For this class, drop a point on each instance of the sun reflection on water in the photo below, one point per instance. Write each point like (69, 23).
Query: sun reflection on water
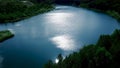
(64, 42)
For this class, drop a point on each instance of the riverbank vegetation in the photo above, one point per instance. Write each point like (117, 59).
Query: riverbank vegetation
(104, 54)
(6, 34)
(14, 10)
(110, 7)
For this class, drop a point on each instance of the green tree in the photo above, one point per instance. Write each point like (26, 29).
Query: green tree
(60, 58)
(49, 64)
(105, 41)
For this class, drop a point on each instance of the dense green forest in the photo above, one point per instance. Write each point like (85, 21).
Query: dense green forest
(14, 10)
(104, 54)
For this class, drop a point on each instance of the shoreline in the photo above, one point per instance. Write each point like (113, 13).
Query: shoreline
(40, 11)
(5, 34)
(22, 11)
(111, 13)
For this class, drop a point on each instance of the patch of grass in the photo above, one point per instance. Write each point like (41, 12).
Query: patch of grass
(4, 35)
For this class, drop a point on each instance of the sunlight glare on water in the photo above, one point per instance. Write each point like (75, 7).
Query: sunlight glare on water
(64, 42)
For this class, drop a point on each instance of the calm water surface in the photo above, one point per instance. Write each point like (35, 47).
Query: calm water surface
(43, 37)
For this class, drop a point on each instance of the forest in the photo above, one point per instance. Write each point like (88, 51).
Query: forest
(14, 10)
(104, 54)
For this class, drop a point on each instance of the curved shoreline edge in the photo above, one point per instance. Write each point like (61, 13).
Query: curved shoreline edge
(21, 10)
(5, 34)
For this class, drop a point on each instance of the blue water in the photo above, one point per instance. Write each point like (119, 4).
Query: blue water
(62, 30)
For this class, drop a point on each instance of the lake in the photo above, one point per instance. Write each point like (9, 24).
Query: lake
(42, 37)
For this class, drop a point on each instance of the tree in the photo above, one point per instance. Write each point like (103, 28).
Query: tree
(49, 64)
(105, 41)
(60, 58)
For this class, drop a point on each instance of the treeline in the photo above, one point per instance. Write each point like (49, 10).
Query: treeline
(104, 54)
(43, 1)
(14, 10)
(68, 2)
(111, 7)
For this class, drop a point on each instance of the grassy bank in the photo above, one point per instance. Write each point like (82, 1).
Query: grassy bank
(4, 35)
(15, 10)
(105, 53)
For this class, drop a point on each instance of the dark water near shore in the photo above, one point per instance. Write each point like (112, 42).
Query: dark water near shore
(43, 37)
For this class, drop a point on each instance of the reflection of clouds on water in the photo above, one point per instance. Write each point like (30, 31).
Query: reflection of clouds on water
(64, 42)
(60, 19)
(58, 23)
(1, 60)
